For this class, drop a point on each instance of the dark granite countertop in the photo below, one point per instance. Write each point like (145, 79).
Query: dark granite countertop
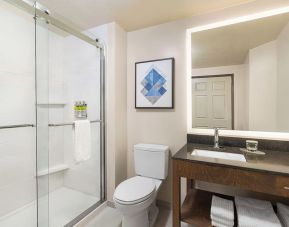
(274, 162)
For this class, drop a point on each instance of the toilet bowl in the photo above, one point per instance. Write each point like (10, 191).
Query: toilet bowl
(135, 198)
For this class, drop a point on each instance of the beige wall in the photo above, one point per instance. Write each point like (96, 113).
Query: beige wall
(120, 111)
(114, 38)
(247, 94)
(116, 107)
(263, 88)
(283, 80)
(169, 40)
(157, 126)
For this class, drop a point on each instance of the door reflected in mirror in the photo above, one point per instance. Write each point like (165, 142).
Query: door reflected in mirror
(240, 76)
(212, 101)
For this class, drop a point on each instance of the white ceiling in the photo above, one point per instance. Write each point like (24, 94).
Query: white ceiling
(133, 14)
(230, 45)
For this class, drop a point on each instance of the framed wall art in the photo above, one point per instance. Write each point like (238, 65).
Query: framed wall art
(154, 84)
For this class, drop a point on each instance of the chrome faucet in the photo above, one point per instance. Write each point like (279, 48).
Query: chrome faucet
(216, 138)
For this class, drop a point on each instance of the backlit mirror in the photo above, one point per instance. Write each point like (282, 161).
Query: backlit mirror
(240, 76)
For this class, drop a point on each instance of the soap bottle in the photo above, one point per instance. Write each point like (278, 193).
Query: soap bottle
(75, 109)
(80, 110)
(85, 109)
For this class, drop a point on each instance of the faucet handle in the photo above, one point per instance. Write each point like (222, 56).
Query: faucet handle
(216, 138)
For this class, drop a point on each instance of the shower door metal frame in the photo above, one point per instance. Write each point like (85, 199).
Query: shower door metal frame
(36, 13)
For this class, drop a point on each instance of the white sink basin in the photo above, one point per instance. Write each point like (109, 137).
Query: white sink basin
(218, 154)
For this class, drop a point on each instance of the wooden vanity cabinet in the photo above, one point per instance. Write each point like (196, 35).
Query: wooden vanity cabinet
(196, 207)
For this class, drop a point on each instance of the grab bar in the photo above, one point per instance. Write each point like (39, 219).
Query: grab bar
(72, 123)
(50, 125)
(16, 126)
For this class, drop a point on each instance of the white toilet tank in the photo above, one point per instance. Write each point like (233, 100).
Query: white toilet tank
(151, 160)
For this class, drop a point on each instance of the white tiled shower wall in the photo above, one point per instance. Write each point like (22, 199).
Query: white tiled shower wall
(17, 146)
(73, 75)
(81, 76)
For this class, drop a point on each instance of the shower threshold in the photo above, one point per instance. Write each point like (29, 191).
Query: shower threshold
(64, 205)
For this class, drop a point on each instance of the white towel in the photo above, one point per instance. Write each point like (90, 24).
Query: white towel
(82, 138)
(283, 214)
(222, 221)
(252, 217)
(254, 203)
(223, 209)
(217, 224)
(251, 213)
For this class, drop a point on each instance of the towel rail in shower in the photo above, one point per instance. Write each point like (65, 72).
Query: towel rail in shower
(31, 125)
(72, 123)
(17, 126)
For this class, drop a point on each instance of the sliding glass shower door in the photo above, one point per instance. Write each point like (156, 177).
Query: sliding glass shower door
(69, 98)
(17, 118)
(56, 103)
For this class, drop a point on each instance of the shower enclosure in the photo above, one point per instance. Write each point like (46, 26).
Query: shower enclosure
(45, 68)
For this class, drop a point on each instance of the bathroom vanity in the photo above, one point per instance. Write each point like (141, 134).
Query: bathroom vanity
(238, 83)
(269, 175)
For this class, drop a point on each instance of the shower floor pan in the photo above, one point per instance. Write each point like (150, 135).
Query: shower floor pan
(64, 205)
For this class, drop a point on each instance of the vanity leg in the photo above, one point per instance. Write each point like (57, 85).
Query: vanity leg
(190, 184)
(176, 196)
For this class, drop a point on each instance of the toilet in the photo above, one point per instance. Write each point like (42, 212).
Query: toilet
(135, 198)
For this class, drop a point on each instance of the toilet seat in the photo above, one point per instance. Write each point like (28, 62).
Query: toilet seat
(134, 190)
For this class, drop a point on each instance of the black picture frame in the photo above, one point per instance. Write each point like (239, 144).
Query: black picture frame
(172, 84)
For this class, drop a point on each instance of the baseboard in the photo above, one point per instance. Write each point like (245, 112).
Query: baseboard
(110, 204)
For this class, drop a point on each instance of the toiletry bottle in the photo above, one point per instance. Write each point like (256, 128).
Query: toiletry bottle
(76, 109)
(79, 109)
(82, 109)
(85, 109)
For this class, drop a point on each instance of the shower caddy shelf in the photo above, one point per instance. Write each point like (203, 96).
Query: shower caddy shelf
(53, 169)
(52, 104)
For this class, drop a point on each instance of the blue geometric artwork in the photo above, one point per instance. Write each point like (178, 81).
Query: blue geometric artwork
(154, 85)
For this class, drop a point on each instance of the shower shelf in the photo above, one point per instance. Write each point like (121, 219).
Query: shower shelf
(52, 104)
(53, 169)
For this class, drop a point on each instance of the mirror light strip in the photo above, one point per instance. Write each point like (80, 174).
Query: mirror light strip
(241, 19)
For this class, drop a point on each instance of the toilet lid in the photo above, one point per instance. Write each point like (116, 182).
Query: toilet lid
(135, 189)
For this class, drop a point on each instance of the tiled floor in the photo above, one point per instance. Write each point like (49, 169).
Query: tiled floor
(65, 205)
(110, 217)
